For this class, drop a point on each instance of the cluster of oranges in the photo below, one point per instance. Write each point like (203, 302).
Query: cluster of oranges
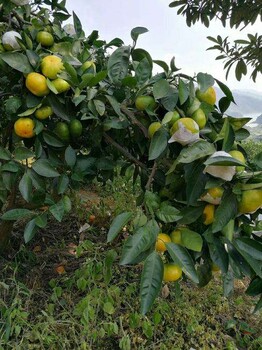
(40, 83)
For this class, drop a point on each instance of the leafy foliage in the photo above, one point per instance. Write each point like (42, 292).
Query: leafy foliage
(244, 53)
(114, 97)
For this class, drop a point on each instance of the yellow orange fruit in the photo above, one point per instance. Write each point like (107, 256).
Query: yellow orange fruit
(43, 112)
(162, 238)
(251, 201)
(152, 129)
(208, 96)
(45, 38)
(36, 84)
(144, 102)
(172, 272)
(208, 214)
(200, 118)
(51, 65)
(61, 85)
(24, 127)
(239, 156)
(176, 236)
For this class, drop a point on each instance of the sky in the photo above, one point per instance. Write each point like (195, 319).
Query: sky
(168, 34)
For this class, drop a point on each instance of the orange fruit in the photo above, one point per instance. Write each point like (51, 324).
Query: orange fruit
(51, 65)
(172, 272)
(153, 127)
(176, 236)
(251, 201)
(24, 127)
(200, 118)
(45, 38)
(61, 85)
(43, 112)
(162, 238)
(75, 128)
(208, 96)
(144, 102)
(62, 131)
(239, 156)
(208, 214)
(36, 83)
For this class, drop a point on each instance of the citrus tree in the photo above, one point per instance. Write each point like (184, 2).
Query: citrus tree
(71, 112)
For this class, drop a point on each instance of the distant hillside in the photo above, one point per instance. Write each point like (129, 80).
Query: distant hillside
(248, 103)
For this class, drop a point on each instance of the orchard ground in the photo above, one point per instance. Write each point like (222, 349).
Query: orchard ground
(65, 290)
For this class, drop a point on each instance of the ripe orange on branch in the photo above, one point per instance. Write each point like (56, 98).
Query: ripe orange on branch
(36, 83)
(24, 127)
(172, 273)
(162, 238)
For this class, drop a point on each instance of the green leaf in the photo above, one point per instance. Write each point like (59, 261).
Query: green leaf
(111, 256)
(162, 64)
(229, 136)
(226, 211)
(195, 181)
(22, 153)
(135, 32)
(62, 184)
(115, 105)
(191, 240)
(58, 108)
(161, 89)
(183, 91)
(169, 102)
(257, 160)
(118, 64)
(255, 287)
(15, 214)
(44, 168)
(51, 139)
(18, 61)
(25, 187)
(118, 223)
(241, 69)
(77, 25)
(167, 213)
(152, 201)
(143, 71)
(222, 160)
(70, 156)
(30, 231)
(100, 107)
(205, 81)
(250, 247)
(41, 220)
(158, 144)
(218, 254)
(198, 149)
(5, 154)
(190, 214)
(57, 210)
(151, 281)
(140, 242)
(224, 103)
(228, 283)
(226, 90)
(180, 255)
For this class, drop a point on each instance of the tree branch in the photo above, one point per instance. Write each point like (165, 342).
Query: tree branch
(123, 151)
(134, 120)
(151, 176)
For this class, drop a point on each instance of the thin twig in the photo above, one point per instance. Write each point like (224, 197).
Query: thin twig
(151, 176)
(134, 120)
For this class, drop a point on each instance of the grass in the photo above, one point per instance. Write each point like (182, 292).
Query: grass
(65, 290)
